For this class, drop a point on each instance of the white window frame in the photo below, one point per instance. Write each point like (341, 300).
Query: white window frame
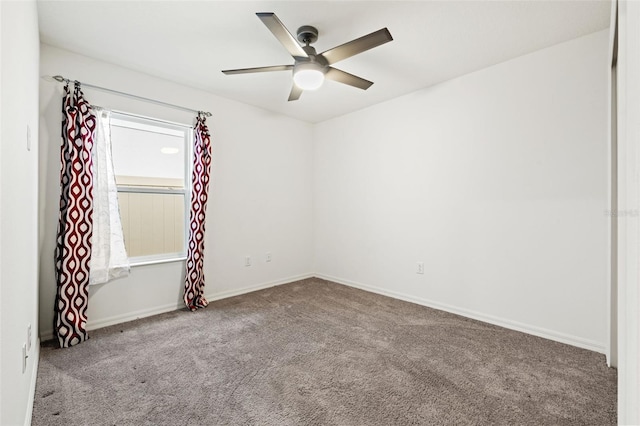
(140, 122)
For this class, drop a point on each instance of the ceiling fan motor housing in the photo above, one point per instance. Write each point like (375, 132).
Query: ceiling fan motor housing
(307, 34)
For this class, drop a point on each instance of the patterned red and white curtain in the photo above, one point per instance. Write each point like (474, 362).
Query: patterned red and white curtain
(73, 245)
(194, 281)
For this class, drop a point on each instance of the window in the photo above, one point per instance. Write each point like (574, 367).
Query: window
(150, 159)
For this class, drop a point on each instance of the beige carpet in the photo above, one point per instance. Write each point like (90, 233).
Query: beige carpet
(318, 353)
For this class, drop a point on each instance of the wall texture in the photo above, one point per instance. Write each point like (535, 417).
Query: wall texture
(496, 180)
(260, 198)
(18, 208)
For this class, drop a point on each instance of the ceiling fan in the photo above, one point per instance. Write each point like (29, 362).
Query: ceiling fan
(311, 68)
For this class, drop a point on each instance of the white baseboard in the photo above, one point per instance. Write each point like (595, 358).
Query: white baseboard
(236, 292)
(32, 386)
(502, 322)
(130, 316)
(117, 319)
(155, 310)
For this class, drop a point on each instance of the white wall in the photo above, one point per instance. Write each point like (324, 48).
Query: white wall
(496, 180)
(628, 114)
(612, 172)
(260, 198)
(18, 208)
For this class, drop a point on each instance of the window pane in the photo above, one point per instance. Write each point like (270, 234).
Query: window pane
(147, 155)
(152, 223)
(149, 158)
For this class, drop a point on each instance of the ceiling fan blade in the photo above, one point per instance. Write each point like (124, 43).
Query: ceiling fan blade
(259, 69)
(295, 93)
(282, 34)
(356, 46)
(346, 78)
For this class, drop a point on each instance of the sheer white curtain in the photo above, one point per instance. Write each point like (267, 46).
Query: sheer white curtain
(109, 259)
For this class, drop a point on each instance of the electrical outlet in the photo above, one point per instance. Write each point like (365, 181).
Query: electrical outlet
(24, 357)
(29, 338)
(267, 257)
(420, 268)
(247, 261)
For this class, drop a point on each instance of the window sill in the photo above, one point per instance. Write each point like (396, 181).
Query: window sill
(145, 261)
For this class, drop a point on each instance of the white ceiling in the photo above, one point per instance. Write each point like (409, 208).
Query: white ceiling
(190, 42)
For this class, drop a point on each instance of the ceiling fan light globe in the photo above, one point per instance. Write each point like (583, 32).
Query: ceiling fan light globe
(308, 79)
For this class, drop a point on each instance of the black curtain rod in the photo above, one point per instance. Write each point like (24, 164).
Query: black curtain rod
(61, 79)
